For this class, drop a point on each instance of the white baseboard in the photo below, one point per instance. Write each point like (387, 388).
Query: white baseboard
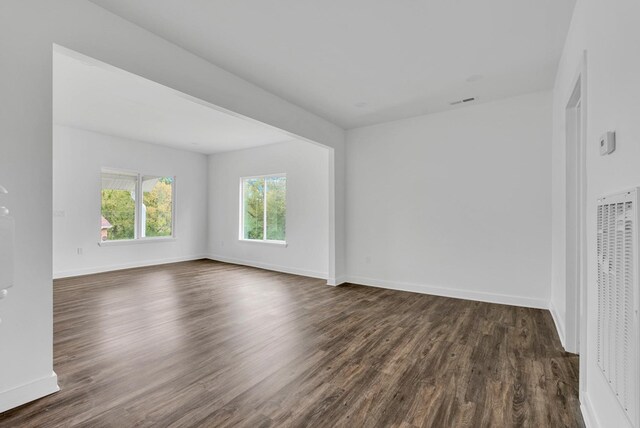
(28, 392)
(99, 269)
(505, 299)
(559, 322)
(268, 266)
(590, 420)
(335, 281)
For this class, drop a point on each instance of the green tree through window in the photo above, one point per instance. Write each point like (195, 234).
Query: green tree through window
(121, 206)
(264, 208)
(276, 208)
(158, 203)
(254, 208)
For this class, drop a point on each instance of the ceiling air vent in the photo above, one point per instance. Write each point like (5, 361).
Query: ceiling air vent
(466, 100)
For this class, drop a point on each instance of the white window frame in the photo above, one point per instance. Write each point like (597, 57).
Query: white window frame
(241, 237)
(138, 209)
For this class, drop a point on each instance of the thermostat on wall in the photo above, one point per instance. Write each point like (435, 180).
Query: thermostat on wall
(607, 143)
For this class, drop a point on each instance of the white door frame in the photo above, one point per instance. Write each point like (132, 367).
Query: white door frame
(576, 232)
(574, 217)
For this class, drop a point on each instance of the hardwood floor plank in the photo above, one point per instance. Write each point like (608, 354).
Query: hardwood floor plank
(209, 344)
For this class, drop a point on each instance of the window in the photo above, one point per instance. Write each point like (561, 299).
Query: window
(125, 216)
(264, 208)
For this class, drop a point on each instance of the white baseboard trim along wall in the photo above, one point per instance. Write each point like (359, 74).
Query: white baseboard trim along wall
(558, 321)
(28, 392)
(267, 266)
(100, 269)
(503, 299)
(337, 280)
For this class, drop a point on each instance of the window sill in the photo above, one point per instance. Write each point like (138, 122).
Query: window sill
(256, 241)
(135, 241)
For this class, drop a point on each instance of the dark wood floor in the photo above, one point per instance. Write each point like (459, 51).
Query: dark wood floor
(211, 344)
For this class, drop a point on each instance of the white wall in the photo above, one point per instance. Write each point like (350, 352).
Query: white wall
(78, 157)
(307, 229)
(28, 30)
(455, 203)
(609, 32)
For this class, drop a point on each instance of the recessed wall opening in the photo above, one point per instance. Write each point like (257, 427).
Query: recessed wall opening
(144, 174)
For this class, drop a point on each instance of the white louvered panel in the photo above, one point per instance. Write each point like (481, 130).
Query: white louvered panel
(629, 357)
(600, 250)
(618, 298)
(618, 303)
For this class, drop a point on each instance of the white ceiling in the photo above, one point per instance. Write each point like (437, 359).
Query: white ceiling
(359, 62)
(90, 95)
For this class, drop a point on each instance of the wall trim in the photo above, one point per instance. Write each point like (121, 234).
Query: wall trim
(335, 281)
(588, 416)
(558, 321)
(28, 392)
(504, 299)
(268, 266)
(100, 269)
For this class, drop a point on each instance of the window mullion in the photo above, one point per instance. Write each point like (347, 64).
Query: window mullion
(242, 234)
(138, 207)
(264, 221)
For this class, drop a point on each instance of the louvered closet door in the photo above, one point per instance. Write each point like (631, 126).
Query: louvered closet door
(617, 331)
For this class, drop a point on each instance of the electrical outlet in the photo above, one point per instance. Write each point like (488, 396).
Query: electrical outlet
(79, 250)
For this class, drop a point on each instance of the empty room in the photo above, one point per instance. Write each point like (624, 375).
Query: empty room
(319, 214)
